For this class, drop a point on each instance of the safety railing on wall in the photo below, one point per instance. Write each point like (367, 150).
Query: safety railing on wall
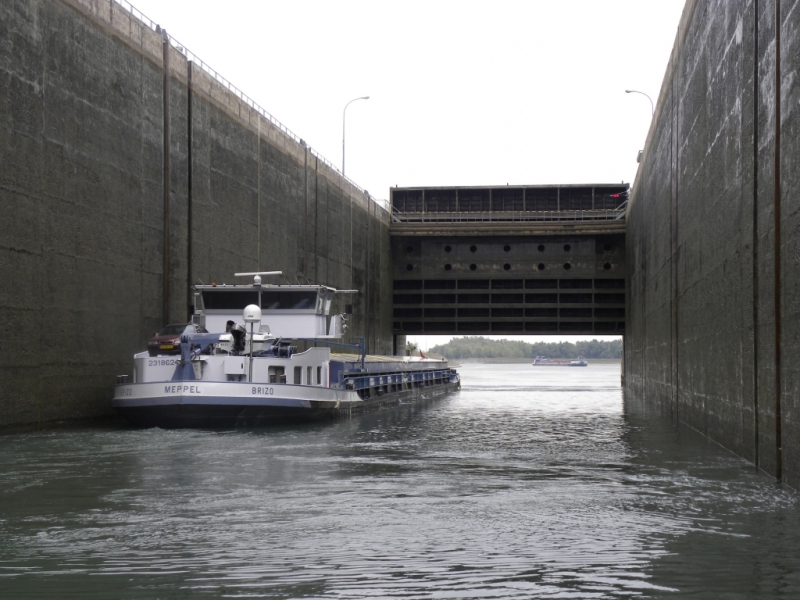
(197, 61)
(610, 214)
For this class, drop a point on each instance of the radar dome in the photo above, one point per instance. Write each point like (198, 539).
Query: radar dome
(252, 314)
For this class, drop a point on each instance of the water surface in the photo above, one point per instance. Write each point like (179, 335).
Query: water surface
(529, 483)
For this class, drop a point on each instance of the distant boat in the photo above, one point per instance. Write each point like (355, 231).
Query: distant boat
(543, 361)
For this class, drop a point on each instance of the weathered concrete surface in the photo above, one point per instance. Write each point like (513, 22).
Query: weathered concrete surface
(713, 231)
(81, 198)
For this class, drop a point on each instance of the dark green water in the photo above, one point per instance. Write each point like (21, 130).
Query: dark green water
(529, 483)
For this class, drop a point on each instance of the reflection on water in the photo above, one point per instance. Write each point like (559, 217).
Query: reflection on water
(528, 483)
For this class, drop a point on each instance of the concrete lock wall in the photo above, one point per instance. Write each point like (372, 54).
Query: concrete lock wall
(82, 237)
(713, 334)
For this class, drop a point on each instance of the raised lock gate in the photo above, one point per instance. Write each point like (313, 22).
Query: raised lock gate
(509, 259)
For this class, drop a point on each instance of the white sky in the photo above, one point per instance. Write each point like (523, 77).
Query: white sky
(461, 92)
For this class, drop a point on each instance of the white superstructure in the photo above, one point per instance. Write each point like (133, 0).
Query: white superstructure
(247, 369)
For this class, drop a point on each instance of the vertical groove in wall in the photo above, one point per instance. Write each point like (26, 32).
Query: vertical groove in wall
(40, 381)
(368, 255)
(258, 193)
(352, 283)
(189, 197)
(755, 233)
(165, 314)
(316, 219)
(673, 340)
(777, 216)
(305, 223)
(643, 287)
(675, 182)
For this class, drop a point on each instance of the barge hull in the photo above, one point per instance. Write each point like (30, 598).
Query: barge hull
(177, 412)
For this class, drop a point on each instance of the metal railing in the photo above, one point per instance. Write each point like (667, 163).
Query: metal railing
(196, 60)
(509, 216)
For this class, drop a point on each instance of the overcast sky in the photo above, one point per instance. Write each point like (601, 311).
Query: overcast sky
(461, 92)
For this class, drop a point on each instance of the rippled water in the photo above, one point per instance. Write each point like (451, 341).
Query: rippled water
(530, 482)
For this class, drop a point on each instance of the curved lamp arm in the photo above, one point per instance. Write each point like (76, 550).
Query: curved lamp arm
(344, 112)
(652, 109)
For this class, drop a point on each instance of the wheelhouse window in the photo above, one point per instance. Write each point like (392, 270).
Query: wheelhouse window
(270, 299)
(294, 300)
(229, 300)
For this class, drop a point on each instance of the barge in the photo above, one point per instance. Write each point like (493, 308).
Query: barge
(541, 361)
(247, 370)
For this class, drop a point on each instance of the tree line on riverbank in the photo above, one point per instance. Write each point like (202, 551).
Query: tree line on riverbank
(481, 347)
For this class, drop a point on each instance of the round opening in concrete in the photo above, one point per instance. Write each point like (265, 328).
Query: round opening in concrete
(540, 266)
(448, 267)
(506, 248)
(567, 266)
(473, 248)
(473, 266)
(506, 267)
(409, 267)
(541, 248)
(409, 249)
(608, 248)
(567, 247)
(447, 248)
(607, 266)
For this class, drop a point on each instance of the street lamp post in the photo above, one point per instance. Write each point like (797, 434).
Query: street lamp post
(344, 112)
(652, 110)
